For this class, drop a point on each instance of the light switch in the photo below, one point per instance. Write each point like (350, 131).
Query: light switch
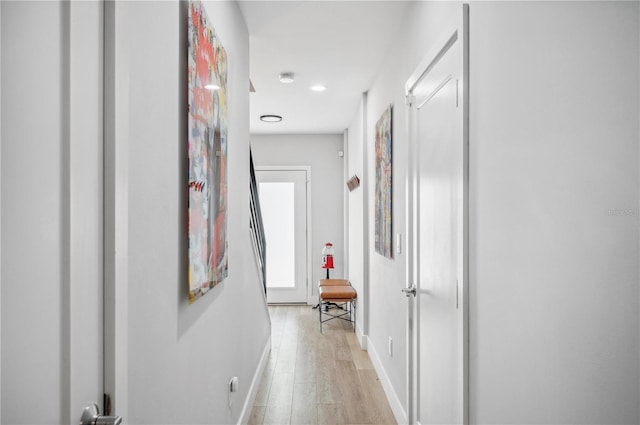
(398, 243)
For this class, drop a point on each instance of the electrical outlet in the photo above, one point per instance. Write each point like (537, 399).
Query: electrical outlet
(390, 347)
(233, 388)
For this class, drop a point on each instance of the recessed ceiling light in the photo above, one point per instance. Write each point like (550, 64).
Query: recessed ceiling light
(286, 77)
(318, 87)
(270, 118)
(212, 87)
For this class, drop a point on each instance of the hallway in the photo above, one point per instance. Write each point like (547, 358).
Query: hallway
(314, 378)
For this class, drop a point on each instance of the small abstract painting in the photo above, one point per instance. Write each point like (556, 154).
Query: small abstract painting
(207, 154)
(383, 184)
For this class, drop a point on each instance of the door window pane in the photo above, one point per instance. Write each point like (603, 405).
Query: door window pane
(276, 203)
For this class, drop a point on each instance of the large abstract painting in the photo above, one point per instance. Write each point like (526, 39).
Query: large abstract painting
(207, 151)
(383, 184)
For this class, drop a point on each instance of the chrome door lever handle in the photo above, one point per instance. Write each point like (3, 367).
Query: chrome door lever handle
(412, 290)
(91, 416)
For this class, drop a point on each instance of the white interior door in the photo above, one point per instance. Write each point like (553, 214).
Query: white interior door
(52, 210)
(438, 114)
(283, 203)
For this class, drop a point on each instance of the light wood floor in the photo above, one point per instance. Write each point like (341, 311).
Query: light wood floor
(314, 378)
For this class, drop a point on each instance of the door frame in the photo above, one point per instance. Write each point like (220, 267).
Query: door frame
(457, 32)
(307, 169)
(116, 206)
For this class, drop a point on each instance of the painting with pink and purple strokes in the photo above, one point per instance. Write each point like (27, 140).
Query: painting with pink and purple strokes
(207, 155)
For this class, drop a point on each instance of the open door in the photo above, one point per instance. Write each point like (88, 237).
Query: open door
(438, 111)
(52, 209)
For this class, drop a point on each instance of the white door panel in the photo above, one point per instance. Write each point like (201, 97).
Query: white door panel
(438, 239)
(52, 210)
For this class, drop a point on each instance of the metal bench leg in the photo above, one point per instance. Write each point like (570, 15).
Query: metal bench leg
(355, 316)
(320, 312)
(351, 312)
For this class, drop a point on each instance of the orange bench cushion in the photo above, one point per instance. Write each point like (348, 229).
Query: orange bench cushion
(336, 293)
(333, 282)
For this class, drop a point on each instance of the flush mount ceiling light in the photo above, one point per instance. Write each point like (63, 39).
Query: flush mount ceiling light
(212, 87)
(318, 87)
(286, 77)
(270, 118)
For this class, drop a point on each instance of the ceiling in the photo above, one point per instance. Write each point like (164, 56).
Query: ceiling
(340, 44)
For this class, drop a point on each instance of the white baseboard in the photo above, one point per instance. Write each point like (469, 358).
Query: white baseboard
(362, 338)
(395, 403)
(255, 384)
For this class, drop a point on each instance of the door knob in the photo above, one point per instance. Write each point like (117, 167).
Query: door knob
(91, 416)
(410, 291)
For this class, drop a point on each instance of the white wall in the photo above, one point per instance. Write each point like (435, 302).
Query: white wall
(554, 204)
(355, 218)
(387, 277)
(554, 227)
(182, 356)
(320, 152)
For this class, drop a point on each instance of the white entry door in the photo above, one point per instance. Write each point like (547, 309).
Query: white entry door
(283, 202)
(438, 113)
(52, 211)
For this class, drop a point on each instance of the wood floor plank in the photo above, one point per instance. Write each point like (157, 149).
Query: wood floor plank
(277, 414)
(276, 336)
(341, 349)
(360, 357)
(327, 386)
(257, 415)
(354, 398)
(330, 414)
(308, 334)
(380, 412)
(325, 358)
(286, 358)
(273, 359)
(263, 391)
(281, 391)
(305, 364)
(304, 408)
(317, 378)
(277, 314)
